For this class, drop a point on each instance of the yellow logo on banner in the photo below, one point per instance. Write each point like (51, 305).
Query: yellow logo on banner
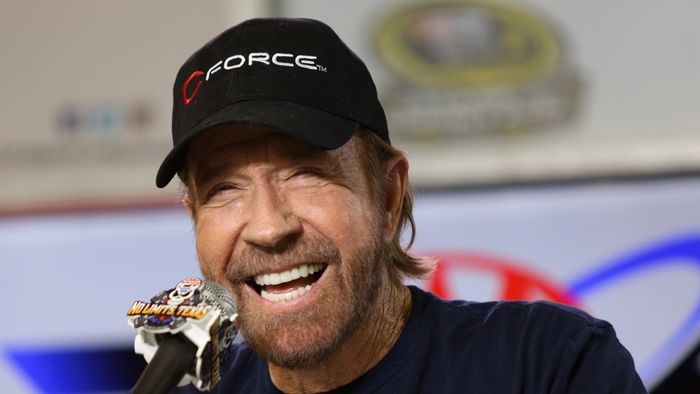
(467, 43)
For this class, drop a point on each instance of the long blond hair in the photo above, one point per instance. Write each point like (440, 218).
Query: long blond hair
(376, 153)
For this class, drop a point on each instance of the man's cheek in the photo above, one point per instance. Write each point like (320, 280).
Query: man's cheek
(345, 217)
(210, 266)
(206, 270)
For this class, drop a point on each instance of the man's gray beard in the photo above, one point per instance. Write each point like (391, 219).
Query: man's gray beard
(324, 327)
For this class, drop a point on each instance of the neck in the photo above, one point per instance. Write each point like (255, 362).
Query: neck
(363, 350)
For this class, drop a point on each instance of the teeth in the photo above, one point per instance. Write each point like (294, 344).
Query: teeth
(285, 276)
(276, 278)
(287, 296)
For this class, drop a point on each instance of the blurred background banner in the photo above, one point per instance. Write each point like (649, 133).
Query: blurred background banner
(553, 146)
(483, 92)
(86, 96)
(625, 252)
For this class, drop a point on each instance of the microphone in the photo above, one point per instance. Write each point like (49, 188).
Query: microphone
(184, 333)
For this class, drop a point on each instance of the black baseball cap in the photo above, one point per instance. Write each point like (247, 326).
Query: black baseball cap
(295, 76)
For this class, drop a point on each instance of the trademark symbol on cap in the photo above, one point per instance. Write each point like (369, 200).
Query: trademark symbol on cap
(185, 98)
(321, 68)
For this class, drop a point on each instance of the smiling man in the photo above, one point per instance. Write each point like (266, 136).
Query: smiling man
(298, 201)
(292, 231)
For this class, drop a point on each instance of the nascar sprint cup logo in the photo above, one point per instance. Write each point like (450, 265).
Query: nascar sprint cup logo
(466, 70)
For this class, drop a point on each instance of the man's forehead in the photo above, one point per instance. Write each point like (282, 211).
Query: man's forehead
(228, 144)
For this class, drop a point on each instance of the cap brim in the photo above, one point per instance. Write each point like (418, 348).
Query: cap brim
(307, 124)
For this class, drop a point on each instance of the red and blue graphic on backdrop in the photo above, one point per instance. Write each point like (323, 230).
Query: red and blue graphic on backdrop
(111, 369)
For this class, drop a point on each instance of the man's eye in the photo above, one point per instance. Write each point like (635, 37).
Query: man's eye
(308, 171)
(219, 189)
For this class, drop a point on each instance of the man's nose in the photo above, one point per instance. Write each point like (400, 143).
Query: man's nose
(270, 219)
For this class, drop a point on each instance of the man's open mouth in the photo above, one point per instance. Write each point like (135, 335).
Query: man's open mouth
(287, 285)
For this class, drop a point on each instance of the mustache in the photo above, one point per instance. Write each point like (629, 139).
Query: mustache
(255, 259)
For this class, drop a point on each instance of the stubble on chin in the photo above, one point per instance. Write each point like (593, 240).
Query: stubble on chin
(306, 338)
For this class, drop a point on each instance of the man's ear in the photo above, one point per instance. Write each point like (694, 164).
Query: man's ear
(397, 172)
(188, 204)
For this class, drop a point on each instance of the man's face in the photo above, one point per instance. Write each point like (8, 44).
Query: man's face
(292, 232)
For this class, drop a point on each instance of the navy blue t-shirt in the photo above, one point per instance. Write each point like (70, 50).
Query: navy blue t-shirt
(469, 347)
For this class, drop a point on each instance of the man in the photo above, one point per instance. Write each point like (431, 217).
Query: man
(298, 201)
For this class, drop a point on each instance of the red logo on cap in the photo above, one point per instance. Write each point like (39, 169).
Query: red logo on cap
(187, 99)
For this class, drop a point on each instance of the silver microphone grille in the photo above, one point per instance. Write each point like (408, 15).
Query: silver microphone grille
(218, 295)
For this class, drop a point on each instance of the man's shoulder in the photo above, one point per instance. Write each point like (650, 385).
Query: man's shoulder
(504, 309)
(542, 313)
(519, 346)
(535, 319)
